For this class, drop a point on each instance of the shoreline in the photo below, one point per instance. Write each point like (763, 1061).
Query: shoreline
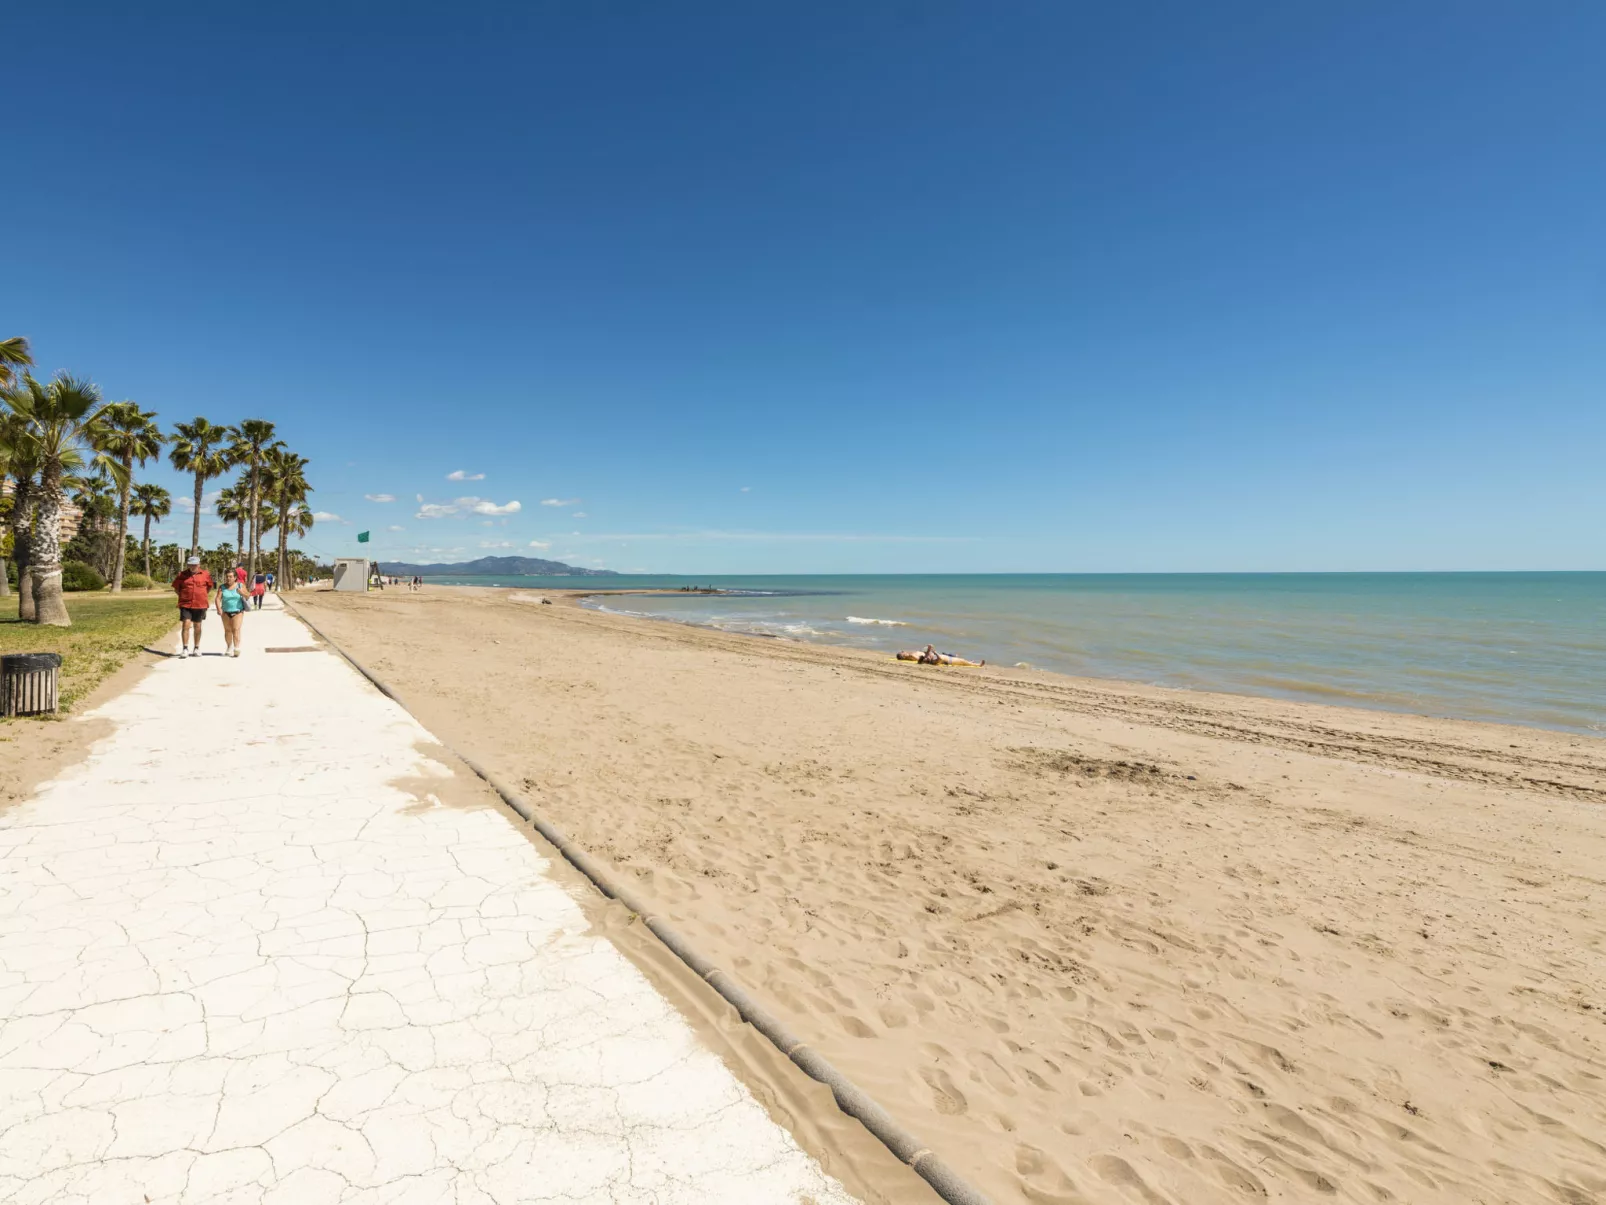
(1360, 703)
(1076, 935)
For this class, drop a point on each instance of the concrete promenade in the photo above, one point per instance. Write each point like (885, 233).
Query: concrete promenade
(239, 963)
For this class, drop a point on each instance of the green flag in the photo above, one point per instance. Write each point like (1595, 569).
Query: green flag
(362, 537)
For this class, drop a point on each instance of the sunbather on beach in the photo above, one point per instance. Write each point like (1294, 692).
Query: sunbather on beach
(930, 656)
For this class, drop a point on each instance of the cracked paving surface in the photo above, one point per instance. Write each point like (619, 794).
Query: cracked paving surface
(237, 966)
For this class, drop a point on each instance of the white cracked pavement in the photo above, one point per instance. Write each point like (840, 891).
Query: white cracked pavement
(239, 965)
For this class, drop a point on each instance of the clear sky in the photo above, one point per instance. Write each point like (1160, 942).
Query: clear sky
(889, 287)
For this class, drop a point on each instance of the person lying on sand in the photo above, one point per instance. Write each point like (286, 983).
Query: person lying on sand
(932, 657)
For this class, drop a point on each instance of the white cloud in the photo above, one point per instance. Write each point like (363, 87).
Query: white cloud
(420, 497)
(326, 516)
(541, 544)
(208, 500)
(393, 527)
(460, 475)
(561, 501)
(496, 543)
(469, 505)
(747, 489)
(380, 497)
(579, 514)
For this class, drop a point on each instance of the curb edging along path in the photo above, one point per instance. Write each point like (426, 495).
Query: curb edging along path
(850, 1098)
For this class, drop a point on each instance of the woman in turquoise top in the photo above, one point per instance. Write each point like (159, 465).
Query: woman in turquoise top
(231, 603)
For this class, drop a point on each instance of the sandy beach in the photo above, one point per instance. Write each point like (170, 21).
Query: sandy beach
(1093, 942)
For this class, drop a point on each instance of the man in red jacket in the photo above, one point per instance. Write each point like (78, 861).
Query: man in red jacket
(193, 586)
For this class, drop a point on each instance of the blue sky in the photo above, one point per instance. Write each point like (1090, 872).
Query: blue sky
(848, 287)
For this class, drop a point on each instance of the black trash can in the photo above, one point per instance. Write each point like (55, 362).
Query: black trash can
(28, 683)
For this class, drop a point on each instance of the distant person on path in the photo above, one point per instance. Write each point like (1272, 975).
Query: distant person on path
(193, 586)
(271, 585)
(259, 587)
(239, 574)
(231, 609)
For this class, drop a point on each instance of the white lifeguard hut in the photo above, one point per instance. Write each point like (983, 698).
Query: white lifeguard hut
(351, 573)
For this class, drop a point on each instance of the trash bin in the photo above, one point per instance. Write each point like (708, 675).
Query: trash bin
(28, 683)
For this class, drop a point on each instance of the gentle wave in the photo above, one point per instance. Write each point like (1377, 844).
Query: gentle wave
(885, 623)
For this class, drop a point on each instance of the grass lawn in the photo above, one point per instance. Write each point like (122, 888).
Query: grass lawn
(107, 629)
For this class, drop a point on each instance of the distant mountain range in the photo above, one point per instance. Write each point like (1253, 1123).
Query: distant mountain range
(493, 566)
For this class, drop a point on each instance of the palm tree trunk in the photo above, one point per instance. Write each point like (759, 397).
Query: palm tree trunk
(49, 606)
(239, 537)
(147, 543)
(22, 507)
(285, 581)
(5, 579)
(195, 531)
(122, 524)
(252, 503)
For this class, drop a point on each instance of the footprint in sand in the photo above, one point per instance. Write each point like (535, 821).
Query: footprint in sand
(946, 1098)
(1080, 1123)
(1114, 1170)
(1232, 1175)
(1177, 1149)
(855, 1027)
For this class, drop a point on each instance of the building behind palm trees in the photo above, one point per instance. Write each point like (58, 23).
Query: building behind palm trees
(71, 514)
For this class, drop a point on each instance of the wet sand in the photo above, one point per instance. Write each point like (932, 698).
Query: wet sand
(1091, 941)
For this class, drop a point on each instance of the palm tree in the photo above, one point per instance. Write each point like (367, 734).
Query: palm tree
(267, 520)
(13, 355)
(56, 419)
(288, 478)
(252, 441)
(152, 502)
(129, 435)
(234, 506)
(299, 525)
(95, 496)
(198, 448)
(171, 559)
(15, 463)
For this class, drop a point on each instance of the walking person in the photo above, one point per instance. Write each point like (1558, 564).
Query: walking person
(259, 587)
(231, 610)
(193, 586)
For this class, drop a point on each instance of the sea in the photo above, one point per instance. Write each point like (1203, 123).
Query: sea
(1519, 648)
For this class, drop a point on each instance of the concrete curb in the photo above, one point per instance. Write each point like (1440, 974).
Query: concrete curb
(850, 1098)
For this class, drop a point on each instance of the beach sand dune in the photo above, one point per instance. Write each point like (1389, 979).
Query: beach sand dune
(1092, 942)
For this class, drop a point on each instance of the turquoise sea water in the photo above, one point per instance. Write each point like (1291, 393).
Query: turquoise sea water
(1524, 648)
